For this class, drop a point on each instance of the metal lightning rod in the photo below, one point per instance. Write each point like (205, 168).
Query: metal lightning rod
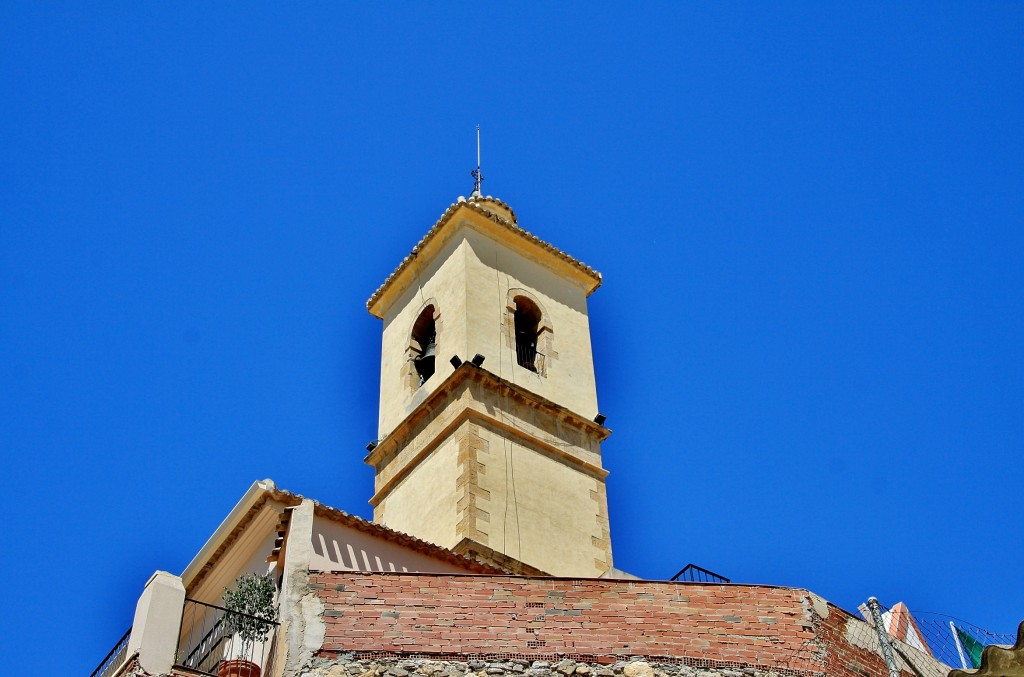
(478, 177)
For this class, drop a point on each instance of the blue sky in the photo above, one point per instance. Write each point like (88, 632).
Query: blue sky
(808, 216)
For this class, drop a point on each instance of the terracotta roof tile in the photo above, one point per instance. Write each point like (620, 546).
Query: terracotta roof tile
(511, 225)
(397, 537)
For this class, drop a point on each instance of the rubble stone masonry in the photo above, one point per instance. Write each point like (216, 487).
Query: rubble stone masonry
(565, 667)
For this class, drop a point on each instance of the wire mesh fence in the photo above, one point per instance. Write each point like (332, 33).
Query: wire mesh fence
(922, 635)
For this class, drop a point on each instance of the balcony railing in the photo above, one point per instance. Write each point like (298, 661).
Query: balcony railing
(526, 352)
(206, 640)
(696, 574)
(110, 665)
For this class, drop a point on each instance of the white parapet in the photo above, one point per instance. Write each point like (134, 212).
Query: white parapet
(157, 623)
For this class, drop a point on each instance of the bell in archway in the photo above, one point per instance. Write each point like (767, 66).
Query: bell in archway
(425, 362)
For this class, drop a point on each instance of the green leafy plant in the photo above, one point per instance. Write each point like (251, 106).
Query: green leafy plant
(251, 613)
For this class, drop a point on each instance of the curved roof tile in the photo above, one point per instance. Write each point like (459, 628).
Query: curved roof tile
(512, 226)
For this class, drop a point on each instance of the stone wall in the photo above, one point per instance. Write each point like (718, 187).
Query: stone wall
(348, 666)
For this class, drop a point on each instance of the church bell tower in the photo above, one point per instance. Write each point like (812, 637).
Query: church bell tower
(488, 443)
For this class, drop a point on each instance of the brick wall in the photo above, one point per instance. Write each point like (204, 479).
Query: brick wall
(600, 620)
(852, 648)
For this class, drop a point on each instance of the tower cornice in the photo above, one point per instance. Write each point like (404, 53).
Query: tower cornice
(493, 217)
(438, 410)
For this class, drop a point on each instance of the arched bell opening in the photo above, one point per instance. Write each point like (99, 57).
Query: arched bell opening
(526, 319)
(423, 346)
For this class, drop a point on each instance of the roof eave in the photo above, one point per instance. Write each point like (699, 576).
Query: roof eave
(589, 278)
(226, 528)
(266, 489)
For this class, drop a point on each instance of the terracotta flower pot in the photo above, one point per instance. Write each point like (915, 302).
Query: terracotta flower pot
(238, 668)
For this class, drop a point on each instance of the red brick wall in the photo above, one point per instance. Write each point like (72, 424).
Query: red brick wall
(451, 614)
(846, 658)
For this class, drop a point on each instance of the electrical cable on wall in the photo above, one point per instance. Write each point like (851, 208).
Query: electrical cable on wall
(510, 468)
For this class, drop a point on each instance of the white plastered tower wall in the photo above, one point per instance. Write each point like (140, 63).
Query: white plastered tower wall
(496, 274)
(441, 282)
(505, 459)
(470, 278)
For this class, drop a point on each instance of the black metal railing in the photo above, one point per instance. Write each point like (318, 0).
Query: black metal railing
(696, 574)
(526, 352)
(110, 665)
(206, 640)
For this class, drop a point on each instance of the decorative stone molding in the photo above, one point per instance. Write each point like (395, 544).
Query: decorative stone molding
(471, 393)
(410, 377)
(546, 354)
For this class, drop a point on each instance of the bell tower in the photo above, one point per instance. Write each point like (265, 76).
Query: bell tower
(487, 436)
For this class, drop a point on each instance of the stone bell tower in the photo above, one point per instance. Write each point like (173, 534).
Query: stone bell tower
(488, 441)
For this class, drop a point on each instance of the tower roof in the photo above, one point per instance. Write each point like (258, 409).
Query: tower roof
(499, 214)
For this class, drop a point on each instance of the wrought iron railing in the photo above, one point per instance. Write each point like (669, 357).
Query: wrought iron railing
(112, 663)
(526, 353)
(206, 640)
(696, 574)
